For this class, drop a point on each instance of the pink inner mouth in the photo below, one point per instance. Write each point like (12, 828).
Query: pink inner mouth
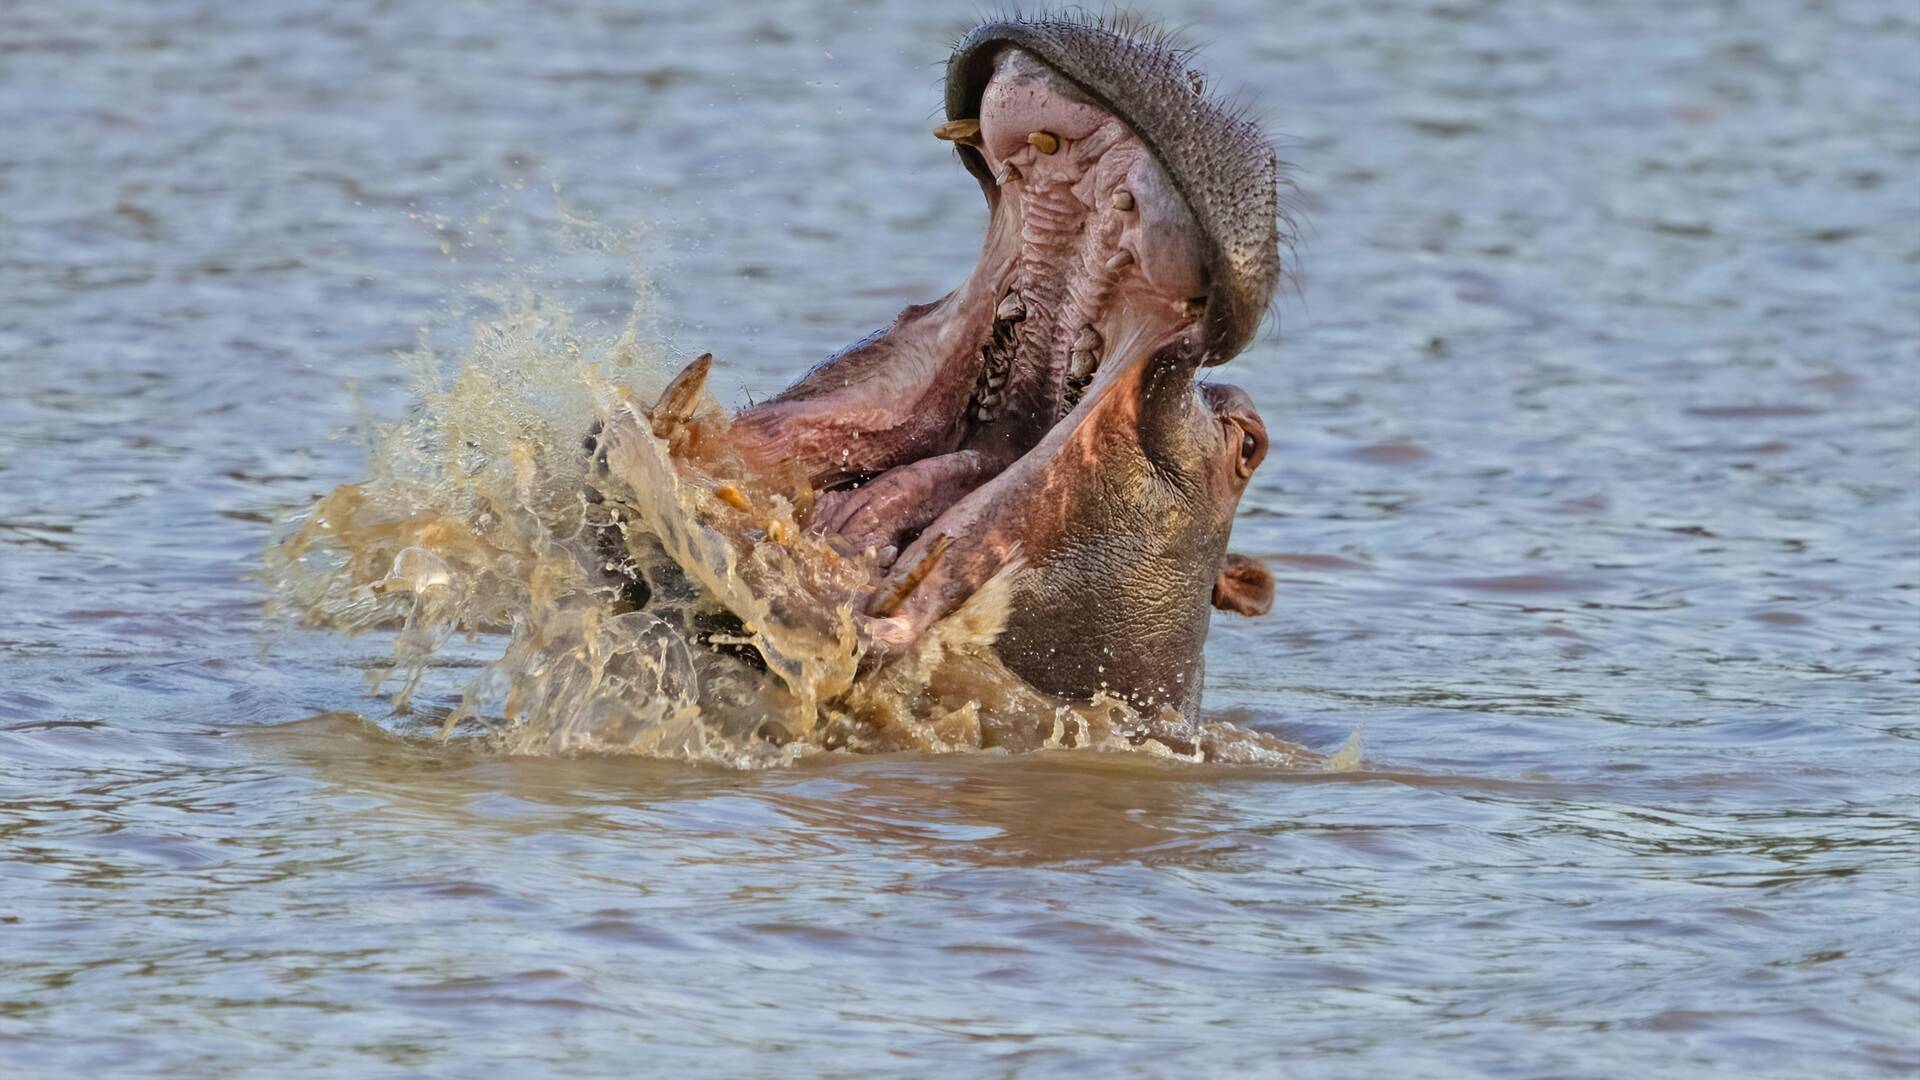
(1091, 263)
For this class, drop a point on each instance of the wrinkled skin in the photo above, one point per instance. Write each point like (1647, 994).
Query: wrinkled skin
(1046, 408)
(1122, 532)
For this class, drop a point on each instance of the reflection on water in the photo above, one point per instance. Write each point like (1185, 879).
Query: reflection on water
(1595, 423)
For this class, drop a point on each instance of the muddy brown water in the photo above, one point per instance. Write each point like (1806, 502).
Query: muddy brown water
(1593, 496)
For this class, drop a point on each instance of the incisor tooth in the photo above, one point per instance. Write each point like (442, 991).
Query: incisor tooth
(1121, 260)
(1044, 141)
(958, 131)
(1083, 363)
(1122, 199)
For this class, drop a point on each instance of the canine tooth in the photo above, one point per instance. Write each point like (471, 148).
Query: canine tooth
(1121, 199)
(678, 401)
(732, 497)
(1084, 363)
(958, 131)
(1010, 175)
(1044, 141)
(1121, 260)
(1011, 308)
(1088, 340)
(888, 600)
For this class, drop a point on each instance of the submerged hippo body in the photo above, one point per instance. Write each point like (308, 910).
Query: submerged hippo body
(1046, 410)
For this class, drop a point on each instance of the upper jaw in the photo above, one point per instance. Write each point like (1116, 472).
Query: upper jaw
(1218, 161)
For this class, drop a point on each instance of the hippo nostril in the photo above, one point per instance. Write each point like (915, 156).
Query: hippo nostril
(1044, 141)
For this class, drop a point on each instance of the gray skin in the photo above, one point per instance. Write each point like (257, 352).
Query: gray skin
(1121, 532)
(1133, 237)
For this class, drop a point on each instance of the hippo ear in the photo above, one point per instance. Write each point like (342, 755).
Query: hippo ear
(1243, 586)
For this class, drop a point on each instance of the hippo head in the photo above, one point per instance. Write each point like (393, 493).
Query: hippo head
(1048, 405)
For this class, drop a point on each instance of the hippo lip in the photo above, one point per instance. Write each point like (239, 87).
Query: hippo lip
(1129, 215)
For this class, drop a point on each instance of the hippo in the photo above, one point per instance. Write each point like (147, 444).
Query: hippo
(1050, 408)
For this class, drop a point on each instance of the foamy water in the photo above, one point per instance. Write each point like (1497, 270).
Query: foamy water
(1595, 425)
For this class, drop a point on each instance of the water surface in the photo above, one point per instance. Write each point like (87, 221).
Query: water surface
(1594, 495)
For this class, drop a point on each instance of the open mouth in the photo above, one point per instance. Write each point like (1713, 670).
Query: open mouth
(1129, 215)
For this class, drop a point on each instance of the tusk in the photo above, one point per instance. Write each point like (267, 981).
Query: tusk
(1011, 309)
(887, 601)
(960, 131)
(681, 396)
(1044, 141)
(1122, 199)
(1121, 260)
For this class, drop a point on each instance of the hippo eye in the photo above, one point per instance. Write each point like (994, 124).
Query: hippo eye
(1253, 447)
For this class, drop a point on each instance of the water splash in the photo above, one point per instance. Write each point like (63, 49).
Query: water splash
(655, 592)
